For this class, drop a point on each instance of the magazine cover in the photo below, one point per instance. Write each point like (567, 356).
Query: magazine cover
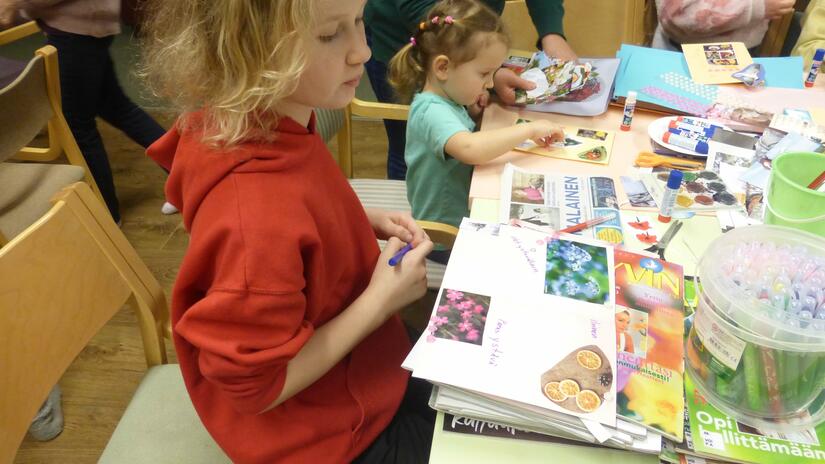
(525, 317)
(580, 144)
(649, 342)
(551, 202)
(717, 435)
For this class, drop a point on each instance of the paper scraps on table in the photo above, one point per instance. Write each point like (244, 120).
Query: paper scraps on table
(752, 75)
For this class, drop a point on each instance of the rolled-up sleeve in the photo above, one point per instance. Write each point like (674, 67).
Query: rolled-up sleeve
(245, 341)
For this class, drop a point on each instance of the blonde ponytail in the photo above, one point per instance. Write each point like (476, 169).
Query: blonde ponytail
(406, 74)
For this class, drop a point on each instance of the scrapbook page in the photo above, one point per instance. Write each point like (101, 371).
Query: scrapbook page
(580, 144)
(526, 317)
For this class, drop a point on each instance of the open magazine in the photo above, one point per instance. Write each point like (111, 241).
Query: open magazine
(526, 318)
(551, 202)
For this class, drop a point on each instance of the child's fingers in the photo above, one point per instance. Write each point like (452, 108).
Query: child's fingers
(484, 100)
(421, 251)
(394, 244)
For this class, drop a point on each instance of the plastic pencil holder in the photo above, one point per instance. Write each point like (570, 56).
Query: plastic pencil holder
(790, 202)
(751, 351)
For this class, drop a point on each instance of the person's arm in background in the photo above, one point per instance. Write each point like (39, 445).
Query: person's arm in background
(9, 9)
(548, 16)
(690, 20)
(812, 35)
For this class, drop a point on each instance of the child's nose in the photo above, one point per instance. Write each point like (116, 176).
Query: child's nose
(359, 52)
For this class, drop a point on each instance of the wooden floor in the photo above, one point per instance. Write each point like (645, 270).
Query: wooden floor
(98, 386)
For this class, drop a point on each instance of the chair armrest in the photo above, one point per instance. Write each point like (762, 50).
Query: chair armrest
(440, 233)
(18, 32)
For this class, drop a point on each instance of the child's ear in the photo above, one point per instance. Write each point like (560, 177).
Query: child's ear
(441, 66)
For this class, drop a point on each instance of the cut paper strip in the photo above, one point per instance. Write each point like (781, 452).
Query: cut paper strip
(677, 101)
(706, 93)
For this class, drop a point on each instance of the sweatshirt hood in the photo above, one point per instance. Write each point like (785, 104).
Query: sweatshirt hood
(196, 167)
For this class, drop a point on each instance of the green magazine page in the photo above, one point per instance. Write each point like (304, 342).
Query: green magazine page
(716, 435)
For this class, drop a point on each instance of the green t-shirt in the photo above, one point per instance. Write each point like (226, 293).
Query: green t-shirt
(438, 185)
(392, 22)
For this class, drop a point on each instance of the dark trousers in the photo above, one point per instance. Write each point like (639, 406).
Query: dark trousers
(396, 130)
(408, 438)
(89, 88)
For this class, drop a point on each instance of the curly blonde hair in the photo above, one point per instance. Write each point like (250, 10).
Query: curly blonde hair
(234, 60)
(454, 39)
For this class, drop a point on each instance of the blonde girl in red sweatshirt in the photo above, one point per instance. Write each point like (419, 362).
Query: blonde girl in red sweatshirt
(284, 309)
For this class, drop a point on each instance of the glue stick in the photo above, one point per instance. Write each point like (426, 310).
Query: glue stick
(697, 146)
(629, 107)
(674, 181)
(819, 55)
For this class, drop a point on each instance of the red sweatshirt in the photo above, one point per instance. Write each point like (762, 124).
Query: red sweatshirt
(279, 245)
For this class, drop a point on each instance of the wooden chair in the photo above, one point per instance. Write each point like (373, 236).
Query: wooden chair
(617, 22)
(15, 33)
(61, 280)
(28, 104)
(775, 36)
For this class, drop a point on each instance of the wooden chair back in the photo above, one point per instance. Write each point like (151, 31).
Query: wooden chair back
(31, 102)
(61, 280)
(25, 108)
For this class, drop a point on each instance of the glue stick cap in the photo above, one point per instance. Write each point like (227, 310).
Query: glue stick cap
(674, 180)
(631, 95)
(819, 55)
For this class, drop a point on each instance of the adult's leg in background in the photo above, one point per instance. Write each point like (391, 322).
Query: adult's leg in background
(118, 110)
(396, 130)
(82, 61)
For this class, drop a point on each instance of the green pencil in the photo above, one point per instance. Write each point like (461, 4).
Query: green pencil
(753, 390)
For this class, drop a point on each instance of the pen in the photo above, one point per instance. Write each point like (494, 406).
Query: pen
(587, 224)
(818, 182)
(396, 258)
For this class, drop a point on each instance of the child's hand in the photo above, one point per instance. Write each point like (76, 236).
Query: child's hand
(505, 83)
(398, 224)
(775, 9)
(477, 109)
(400, 285)
(545, 133)
(8, 12)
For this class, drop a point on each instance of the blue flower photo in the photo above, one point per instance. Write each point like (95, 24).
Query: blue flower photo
(577, 270)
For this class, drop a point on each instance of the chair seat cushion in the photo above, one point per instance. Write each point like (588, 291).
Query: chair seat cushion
(392, 195)
(27, 189)
(160, 425)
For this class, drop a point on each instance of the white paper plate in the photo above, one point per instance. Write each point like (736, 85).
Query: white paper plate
(657, 129)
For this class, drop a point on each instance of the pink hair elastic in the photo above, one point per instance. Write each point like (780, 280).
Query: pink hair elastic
(434, 20)
(448, 19)
(412, 41)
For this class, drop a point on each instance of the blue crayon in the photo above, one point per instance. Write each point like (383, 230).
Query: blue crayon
(396, 258)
